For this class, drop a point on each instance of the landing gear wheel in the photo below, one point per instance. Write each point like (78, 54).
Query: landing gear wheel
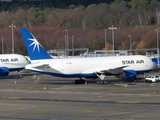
(81, 81)
(105, 82)
(76, 81)
(98, 82)
(101, 82)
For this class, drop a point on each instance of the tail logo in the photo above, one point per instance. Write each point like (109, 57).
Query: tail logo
(34, 48)
(35, 43)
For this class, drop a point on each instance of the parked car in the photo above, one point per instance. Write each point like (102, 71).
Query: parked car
(152, 78)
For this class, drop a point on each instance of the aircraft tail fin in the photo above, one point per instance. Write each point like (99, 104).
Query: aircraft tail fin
(34, 48)
(156, 60)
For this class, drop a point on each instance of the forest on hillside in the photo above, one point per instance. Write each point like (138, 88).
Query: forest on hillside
(87, 23)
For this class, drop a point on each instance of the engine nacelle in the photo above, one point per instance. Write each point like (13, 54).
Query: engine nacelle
(129, 74)
(4, 71)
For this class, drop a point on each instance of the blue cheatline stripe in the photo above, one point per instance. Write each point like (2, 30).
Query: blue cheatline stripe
(66, 75)
(78, 75)
(15, 69)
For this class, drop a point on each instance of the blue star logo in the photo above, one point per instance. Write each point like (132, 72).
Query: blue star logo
(35, 43)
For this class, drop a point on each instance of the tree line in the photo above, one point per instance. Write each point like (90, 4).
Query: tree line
(136, 13)
(138, 18)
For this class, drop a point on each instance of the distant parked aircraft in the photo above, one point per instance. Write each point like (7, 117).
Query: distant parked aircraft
(12, 62)
(126, 67)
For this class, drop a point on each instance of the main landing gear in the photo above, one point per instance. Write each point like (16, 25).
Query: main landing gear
(101, 82)
(101, 76)
(80, 81)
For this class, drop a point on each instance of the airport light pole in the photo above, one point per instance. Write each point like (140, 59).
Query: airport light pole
(113, 28)
(2, 46)
(105, 38)
(67, 43)
(130, 39)
(157, 47)
(12, 26)
(72, 45)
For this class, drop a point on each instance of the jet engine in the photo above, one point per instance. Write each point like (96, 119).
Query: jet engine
(129, 74)
(4, 71)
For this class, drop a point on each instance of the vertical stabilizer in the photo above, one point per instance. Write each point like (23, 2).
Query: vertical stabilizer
(34, 48)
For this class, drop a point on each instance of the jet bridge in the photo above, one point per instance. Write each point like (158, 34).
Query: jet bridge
(110, 52)
(64, 52)
(123, 52)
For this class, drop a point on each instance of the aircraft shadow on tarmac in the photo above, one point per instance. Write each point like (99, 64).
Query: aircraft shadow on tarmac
(72, 81)
(17, 76)
(47, 79)
(56, 81)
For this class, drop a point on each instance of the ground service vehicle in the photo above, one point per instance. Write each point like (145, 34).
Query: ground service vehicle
(152, 78)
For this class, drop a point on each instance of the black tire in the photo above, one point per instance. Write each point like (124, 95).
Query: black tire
(83, 81)
(76, 82)
(102, 82)
(98, 82)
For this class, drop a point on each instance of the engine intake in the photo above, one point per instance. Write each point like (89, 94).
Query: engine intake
(129, 74)
(4, 71)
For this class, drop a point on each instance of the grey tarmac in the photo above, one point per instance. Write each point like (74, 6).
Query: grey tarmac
(42, 97)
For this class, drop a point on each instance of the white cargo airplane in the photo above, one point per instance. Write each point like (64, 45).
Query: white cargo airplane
(126, 67)
(12, 62)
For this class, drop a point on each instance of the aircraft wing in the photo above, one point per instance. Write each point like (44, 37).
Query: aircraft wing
(41, 67)
(101, 73)
(114, 70)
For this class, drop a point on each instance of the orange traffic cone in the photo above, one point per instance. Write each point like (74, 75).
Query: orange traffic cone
(44, 88)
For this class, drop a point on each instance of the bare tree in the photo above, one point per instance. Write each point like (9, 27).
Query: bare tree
(157, 14)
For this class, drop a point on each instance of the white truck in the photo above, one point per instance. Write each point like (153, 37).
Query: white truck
(152, 78)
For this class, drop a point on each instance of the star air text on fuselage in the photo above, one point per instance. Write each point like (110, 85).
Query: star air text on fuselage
(126, 62)
(9, 60)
